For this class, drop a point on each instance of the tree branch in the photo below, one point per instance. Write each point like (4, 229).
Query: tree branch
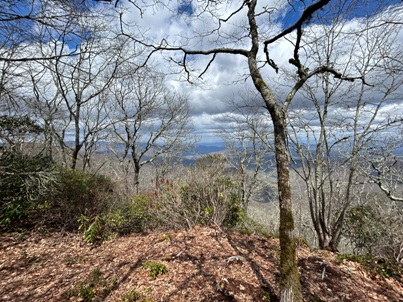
(307, 14)
(381, 186)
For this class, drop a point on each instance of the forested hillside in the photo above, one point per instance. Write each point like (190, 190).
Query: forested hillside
(125, 120)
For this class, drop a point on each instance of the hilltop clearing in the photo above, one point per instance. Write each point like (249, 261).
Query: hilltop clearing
(202, 264)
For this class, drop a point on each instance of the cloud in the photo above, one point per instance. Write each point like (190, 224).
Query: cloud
(186, 24)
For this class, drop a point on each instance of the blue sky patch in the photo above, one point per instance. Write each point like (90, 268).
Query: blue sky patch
(362, 9)
(185, 7)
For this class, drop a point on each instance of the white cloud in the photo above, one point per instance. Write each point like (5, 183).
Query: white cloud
(224, 80)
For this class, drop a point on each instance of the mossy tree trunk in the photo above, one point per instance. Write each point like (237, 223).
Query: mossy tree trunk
(290, 283)
(290, 286)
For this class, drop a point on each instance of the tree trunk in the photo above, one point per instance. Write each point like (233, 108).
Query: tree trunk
(77, 145)
(290, 286)
(325, 241)
(136, 176)
(74, 159)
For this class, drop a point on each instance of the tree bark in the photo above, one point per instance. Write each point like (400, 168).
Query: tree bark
(77, 145)
(136, 179)
(289, 284)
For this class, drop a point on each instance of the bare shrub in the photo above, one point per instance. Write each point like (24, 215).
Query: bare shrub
(205, 195)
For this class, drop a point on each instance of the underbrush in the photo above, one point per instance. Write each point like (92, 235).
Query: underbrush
(76, 200)
(44, 196)
(126, 217)
(204, 195)
(26, 183)
(384, 267)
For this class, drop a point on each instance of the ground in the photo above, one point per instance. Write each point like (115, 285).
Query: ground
(203, 264)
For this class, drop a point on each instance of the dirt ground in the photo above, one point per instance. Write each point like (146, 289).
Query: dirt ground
(203, 264)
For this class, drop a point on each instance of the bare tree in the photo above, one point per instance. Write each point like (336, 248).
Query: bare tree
(20, 20)
(72, 43)
(165, 165)
(383, 166)
(330, 145)
(47, 107)
(148, 119)
(15, 132)
(10, 81)
(248, 141)
(230, 43)
(81, 82)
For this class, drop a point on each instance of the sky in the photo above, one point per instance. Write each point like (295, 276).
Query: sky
(212, 96)
(225, 81)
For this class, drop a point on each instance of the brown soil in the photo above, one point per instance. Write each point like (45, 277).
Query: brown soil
(203, 264)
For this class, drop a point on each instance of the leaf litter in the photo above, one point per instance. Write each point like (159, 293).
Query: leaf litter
(202, 264)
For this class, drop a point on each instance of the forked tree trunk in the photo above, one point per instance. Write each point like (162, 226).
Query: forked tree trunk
(290, 286)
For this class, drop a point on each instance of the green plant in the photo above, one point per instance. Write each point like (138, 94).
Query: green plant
(155, 268)
(166, 237)
(265, 296)
(25, 184)
(96, 275)
(69, 260)
(350, 257)
(138, 212)
(383, 267)
(95, 231)
(83, 222)
(93, 287)
(247, 226)
(87, 292)
(109, 224)
(131, 296)
(11, 212)
(364, 228)
(78, 194)
(115, 220)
